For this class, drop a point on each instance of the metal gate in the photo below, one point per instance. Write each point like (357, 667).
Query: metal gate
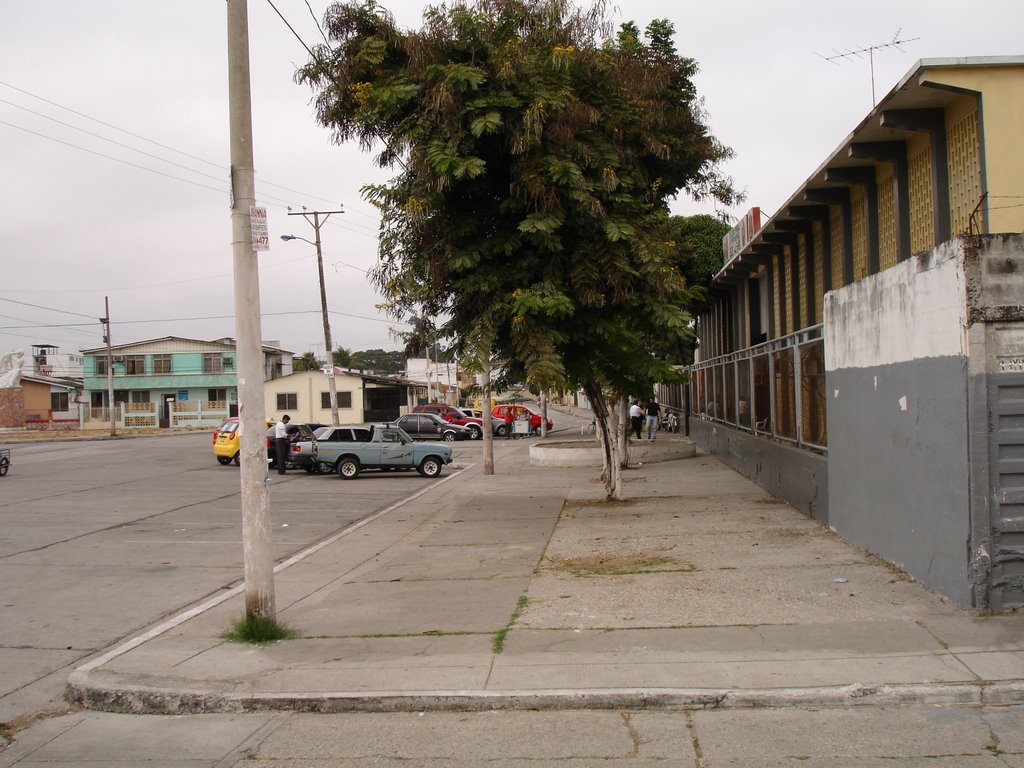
(1006, 453)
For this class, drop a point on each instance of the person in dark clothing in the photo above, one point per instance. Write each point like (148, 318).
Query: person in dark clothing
(636, 419)
(653, 411)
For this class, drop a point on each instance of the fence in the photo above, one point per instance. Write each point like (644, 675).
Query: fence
(184, 414)
(776, 389)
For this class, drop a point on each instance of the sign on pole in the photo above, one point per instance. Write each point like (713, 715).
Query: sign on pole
(260, 233)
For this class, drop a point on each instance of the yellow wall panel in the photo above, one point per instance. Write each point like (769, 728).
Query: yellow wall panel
(922, 226)
(819, 269)
(886, 223)
(836, 227)
(860, 234)
(964, 174)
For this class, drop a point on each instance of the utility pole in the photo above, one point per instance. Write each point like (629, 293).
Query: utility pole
(257, 555)
(323, 303)
(110, 366)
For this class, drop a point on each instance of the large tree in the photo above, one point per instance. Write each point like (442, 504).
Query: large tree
(536, 156)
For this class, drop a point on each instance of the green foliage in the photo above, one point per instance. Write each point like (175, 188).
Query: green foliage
(378, 361)
(308, 362)
(536, 159)
(342, 357)
(256, 630)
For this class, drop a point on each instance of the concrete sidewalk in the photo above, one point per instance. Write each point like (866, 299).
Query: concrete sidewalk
(523, 590)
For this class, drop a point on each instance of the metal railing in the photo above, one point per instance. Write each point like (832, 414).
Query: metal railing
(775, 389)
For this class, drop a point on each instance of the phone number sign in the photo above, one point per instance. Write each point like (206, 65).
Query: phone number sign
(260, 232)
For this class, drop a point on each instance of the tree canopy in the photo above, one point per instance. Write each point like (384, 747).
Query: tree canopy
(536, 154)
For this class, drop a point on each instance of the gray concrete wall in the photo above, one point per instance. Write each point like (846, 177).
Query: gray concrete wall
(898, 476)
(896, 366)
(799, 477)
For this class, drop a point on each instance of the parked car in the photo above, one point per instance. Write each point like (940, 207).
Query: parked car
(498, 416)
(473, 413)
(225, 441)
(429, 426)
(453, 415)
(385, 447)
(296, 433)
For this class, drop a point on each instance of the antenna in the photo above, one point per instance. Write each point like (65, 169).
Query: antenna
(896, 42)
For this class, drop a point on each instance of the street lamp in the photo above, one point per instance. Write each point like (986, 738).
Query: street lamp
(329, 370)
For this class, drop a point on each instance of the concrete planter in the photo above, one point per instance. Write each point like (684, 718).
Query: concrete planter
(587, 453)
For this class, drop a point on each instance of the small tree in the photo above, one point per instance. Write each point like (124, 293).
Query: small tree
(537, 157)
(308, 362)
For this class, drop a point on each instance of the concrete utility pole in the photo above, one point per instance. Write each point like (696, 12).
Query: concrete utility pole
(323, 301)
(257, 556)
(110, 366)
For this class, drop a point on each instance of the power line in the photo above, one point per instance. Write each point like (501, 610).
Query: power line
(114, 127)
(111, 157)
(48, 309)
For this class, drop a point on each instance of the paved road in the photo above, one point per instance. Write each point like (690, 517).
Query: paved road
(99, 539)
(130, 549)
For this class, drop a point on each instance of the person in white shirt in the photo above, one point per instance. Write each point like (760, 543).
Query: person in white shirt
(281, 443)
(636, 418)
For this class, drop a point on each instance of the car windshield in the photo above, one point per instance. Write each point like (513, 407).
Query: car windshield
(230, 427)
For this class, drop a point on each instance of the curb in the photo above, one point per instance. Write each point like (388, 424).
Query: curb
(136, 699)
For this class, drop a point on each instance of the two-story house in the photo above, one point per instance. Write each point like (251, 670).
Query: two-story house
(169, 382)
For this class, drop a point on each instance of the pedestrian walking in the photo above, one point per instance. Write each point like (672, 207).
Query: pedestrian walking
(281, 443)
(636, 419)
(653, 411)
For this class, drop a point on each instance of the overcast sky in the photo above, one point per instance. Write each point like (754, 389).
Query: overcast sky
(114, 147)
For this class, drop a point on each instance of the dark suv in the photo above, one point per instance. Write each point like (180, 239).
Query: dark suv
(453, 415)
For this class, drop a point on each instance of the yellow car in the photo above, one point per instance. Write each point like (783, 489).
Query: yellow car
(225, 440)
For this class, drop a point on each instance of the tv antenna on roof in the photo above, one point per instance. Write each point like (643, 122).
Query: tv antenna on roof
(896, 42)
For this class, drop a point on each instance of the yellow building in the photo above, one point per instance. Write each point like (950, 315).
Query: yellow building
(862, 353)
(305, 397)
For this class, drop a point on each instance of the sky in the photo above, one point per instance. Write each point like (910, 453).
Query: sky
(114, 149)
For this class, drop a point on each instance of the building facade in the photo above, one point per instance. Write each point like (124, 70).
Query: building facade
(863, 352)
(171, 382)
(305, 397)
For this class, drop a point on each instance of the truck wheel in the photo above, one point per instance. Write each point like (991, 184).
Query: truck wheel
(224, 460)
(348, 468)
(430, 467)
(475, 433)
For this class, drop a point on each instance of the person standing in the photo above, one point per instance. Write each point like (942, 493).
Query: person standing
(281, 443)
(653, 411)
(636, 419)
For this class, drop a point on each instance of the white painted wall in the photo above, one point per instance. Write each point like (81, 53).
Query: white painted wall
(913, 311)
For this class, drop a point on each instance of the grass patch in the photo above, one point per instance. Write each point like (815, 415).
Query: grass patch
(620, 565)
(499, 638)
(255, 630)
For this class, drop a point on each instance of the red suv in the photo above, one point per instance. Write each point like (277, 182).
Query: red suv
(453, 415)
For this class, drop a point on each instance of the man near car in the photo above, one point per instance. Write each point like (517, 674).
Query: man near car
(281, 442)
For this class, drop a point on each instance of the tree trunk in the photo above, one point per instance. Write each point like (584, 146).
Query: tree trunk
(611, 475)
(621, 424)
(488, 429)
